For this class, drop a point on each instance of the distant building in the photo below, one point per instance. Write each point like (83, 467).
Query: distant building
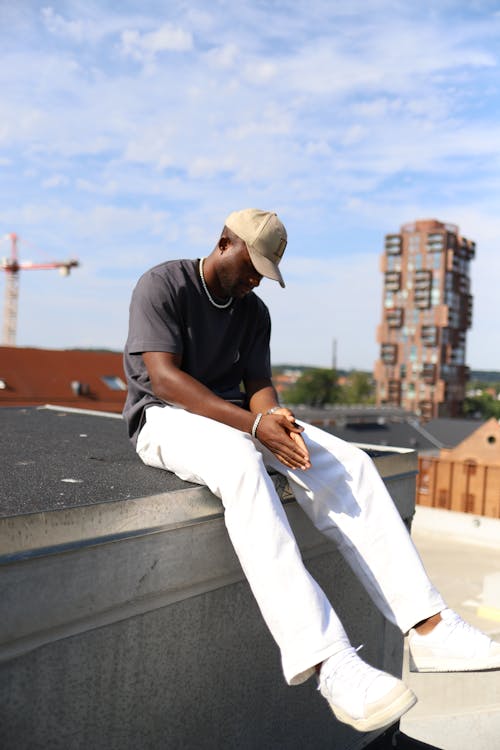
(427, 309)
(466, 477)
(285, 380)
(65, 377)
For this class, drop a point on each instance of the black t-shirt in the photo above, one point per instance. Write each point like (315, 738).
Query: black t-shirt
(170, 312)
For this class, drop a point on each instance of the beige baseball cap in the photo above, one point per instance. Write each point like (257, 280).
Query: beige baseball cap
(265, 237)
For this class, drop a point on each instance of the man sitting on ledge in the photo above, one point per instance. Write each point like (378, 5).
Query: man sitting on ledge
(196, 332)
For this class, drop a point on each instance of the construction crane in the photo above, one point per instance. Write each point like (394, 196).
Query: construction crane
(12, 266)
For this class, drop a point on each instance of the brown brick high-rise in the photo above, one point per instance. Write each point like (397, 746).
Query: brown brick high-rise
(427, 309)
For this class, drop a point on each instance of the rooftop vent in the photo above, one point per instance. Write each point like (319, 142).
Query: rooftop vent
(80, 389)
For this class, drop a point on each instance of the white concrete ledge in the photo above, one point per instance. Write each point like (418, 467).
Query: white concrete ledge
(465, 527)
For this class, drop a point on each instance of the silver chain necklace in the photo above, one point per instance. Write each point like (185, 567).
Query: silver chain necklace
(205, 287)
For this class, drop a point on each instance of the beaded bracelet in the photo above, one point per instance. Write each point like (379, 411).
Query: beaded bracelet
(256, 424)
(273, 409)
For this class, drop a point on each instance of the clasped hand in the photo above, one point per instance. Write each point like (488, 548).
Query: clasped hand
(280, 433)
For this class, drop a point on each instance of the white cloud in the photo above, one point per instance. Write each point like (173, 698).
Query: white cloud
(354, 134)
(88, 23)
(144, 47)
(224, 56)
(153, 146)
(318, 148)
(56, 180)
(56, 24)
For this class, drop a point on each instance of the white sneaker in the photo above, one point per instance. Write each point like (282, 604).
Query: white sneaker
(361, 695)
(453, 646)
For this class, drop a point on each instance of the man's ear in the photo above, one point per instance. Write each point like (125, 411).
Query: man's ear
(224, 243)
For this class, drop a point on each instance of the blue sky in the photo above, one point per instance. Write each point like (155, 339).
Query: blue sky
(128, 131)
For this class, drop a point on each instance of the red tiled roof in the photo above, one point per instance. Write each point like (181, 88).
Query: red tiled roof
(72, 377)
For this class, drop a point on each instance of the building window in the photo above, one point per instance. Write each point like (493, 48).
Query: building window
(443, 498)
(393, 263)
(435, 296)
(457, 356)
(114, 383)
(469, 467)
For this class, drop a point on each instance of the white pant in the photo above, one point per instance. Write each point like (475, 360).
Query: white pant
(344, 497)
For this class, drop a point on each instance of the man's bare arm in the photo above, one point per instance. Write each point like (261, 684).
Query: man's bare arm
(173, 385)
(261, 395)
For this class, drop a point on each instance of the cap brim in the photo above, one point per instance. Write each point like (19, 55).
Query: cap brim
(265, 267)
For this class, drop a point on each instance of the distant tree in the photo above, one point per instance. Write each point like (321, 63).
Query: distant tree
(316, 387)
(484, 406)
(358, 389)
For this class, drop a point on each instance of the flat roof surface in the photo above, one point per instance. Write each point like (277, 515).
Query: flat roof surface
(55, 458)
(52, 458)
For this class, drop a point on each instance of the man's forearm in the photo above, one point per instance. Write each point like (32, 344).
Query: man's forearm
(177, 387)
(197, 398)
(262, 396)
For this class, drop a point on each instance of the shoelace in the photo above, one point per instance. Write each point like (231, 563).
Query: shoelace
(348, 652)
(361, 675)
(459, 627)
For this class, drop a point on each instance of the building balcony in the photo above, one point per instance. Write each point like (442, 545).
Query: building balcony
(427, 409)
(422, 280)
(436, 242)
(392, 281)
(429, 372)
(467, 248)
(389, 353)
(429, 335)
(393, 244)
(394, 317)
(422, 298)
(394, 391)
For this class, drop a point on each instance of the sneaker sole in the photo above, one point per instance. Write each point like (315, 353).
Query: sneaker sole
(434, 664)
(382, 718)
